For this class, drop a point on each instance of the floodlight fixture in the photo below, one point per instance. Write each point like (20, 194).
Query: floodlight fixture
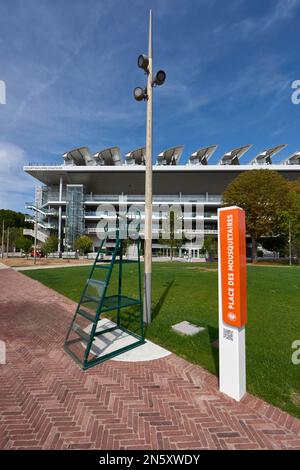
(160, 78)
(140, 93)
(143, 62)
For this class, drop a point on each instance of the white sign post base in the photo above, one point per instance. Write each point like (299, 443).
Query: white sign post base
(232, 360)
(232, 302)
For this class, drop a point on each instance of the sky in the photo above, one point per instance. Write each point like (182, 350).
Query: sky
(69, 67)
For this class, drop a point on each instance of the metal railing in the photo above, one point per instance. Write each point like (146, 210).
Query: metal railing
(116, 199)
(159, 231)
(32, 206)
(40, 235)
(156, 198)
(133, 215)
(112, 198)
(44, 164)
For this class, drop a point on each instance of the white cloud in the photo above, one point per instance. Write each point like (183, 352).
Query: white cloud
(15, 185)
(283, 10)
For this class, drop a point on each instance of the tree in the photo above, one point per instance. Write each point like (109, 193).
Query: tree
(13, 223)
(210, 245)
(14, 234)
(25, 244)
(295, 248)
(50, 245)
(291, 217)
(173, 242)
(275, 244)
(83, 244)
(126, 244)
(11, 234)
(12, 219)
(264, 195)
(295, 186)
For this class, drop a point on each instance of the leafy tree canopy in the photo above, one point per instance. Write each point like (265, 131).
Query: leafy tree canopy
(175, 239)
(83, 244)
(210, 245)
(50, 245)
(11, 219)
(24, 243)
(263, 194)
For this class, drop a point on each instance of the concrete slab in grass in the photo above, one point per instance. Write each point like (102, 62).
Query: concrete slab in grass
(187, 328)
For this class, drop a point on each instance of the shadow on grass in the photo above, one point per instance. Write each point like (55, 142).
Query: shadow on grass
(131, 323)
(213, 334)
(131, 319)
(161, 301)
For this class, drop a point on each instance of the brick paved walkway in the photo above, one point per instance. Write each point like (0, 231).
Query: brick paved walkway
(47, 402)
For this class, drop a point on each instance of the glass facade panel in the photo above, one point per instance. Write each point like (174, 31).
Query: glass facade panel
(74, 214)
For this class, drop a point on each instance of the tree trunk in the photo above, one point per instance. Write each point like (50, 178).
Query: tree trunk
(253, 250)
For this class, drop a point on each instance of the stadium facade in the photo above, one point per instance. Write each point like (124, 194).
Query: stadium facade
(88, 190)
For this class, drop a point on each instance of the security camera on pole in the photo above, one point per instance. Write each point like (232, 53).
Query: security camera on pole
(140, 94)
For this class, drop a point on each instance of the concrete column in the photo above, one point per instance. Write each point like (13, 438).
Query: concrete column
(59, 214)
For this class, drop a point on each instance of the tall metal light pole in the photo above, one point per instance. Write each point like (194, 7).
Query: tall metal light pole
(2, 245)
(7, 242)
(148, 188)
(146, 63)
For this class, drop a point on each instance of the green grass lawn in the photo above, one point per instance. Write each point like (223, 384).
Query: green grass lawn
(185, 291)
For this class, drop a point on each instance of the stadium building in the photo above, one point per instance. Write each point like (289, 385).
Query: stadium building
(72, 198)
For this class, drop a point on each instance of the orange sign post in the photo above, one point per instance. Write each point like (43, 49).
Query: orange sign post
(232, 301)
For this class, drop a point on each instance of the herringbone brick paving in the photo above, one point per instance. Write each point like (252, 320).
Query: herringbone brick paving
(48, 402)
